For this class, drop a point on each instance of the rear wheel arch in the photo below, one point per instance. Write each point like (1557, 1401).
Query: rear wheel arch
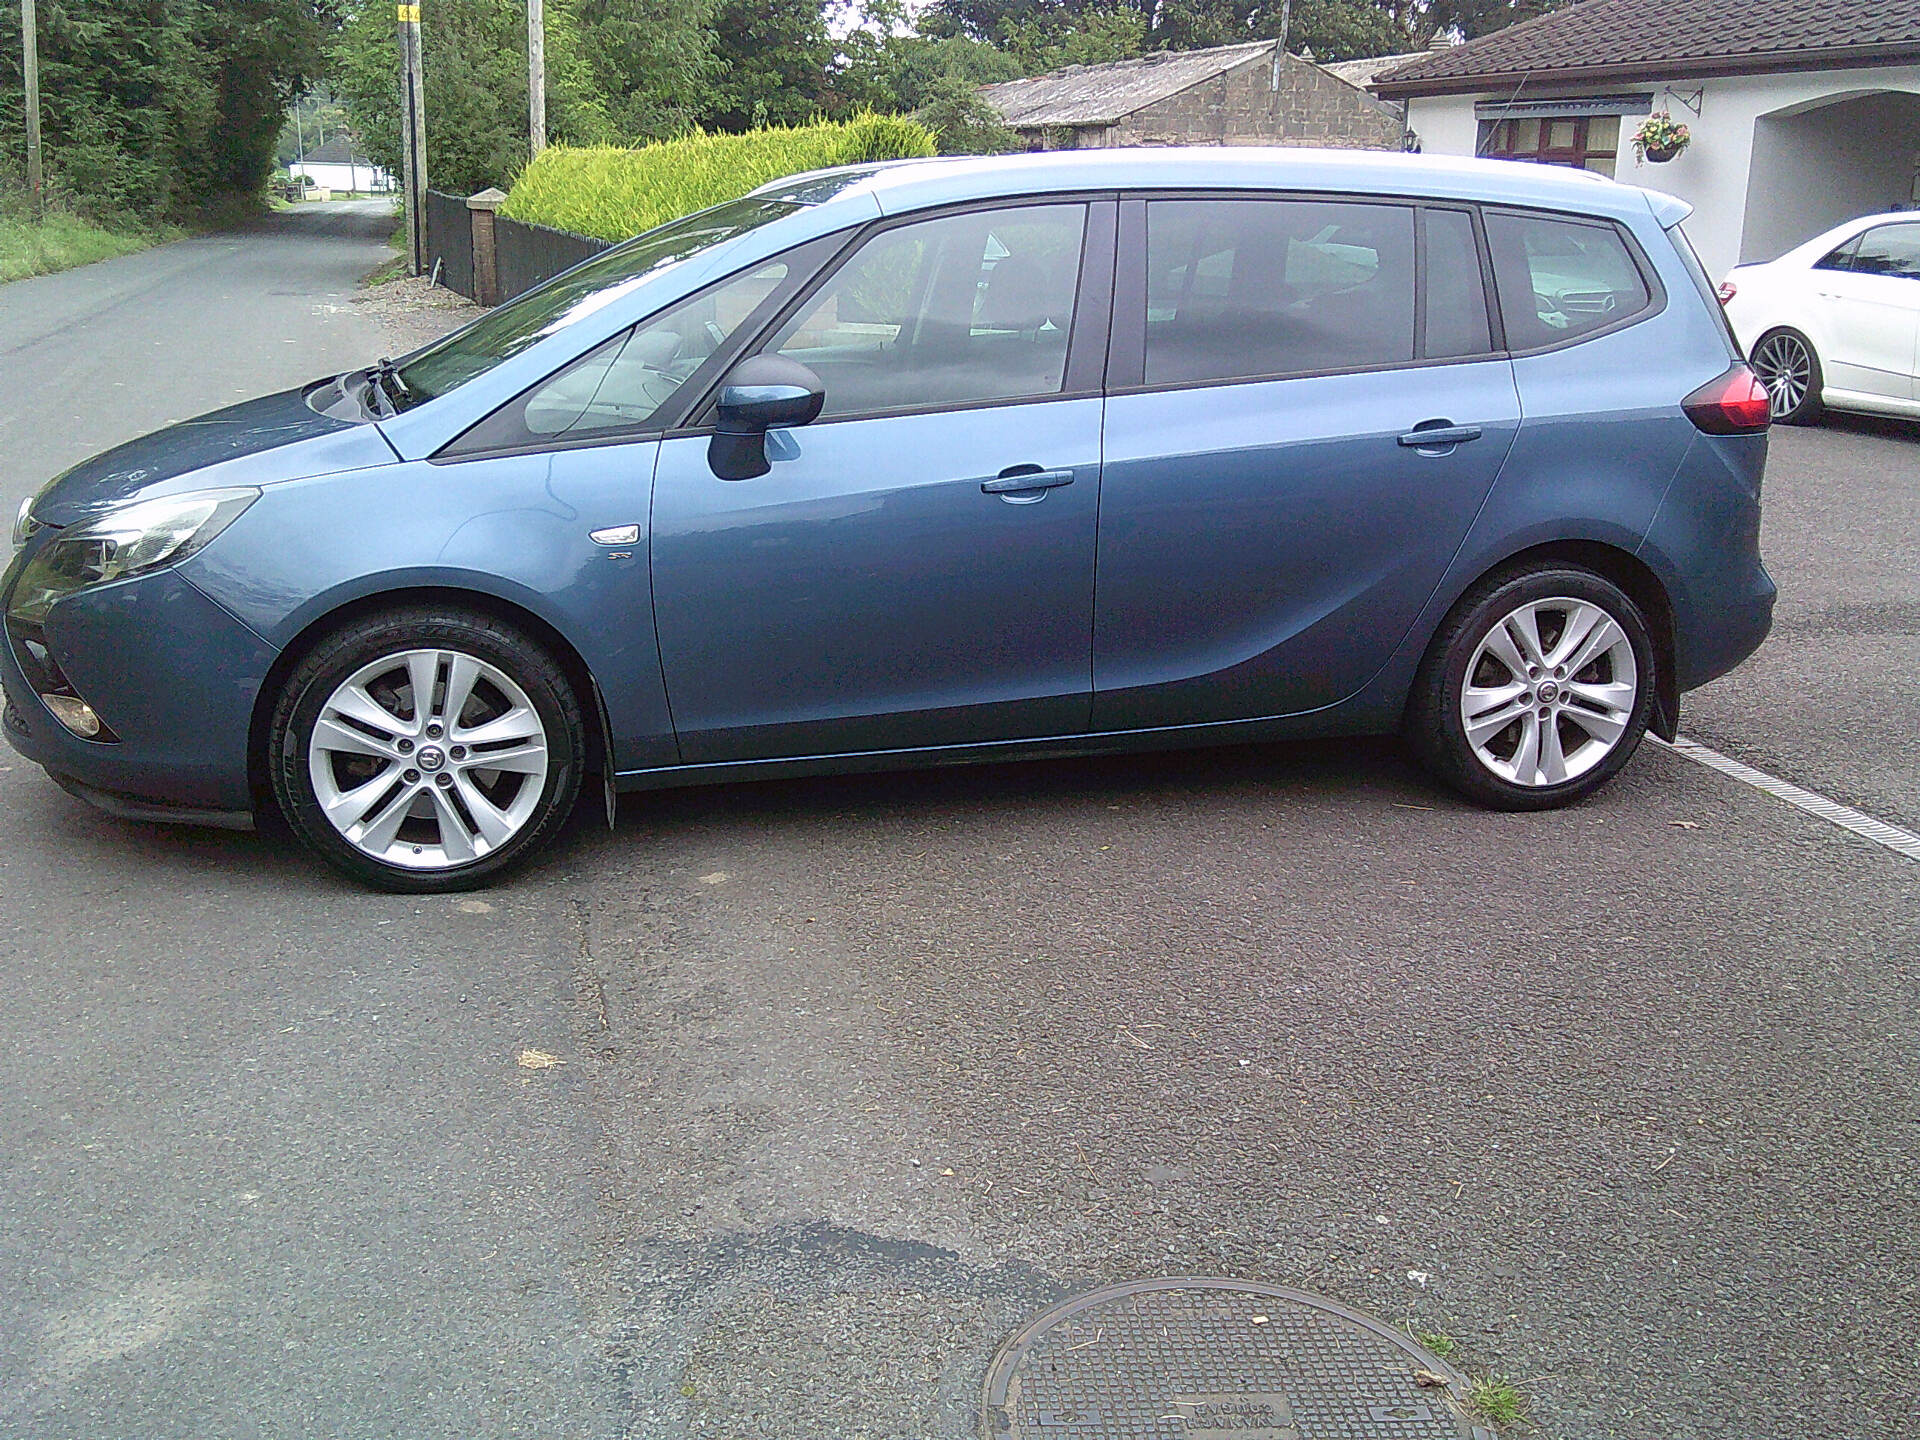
(1771, 355)
(1633, 575)
(599, 757)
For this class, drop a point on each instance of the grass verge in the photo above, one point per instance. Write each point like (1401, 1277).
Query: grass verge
(1436, 1342)
(1500, 1402)
(59, 241)
(615, 194)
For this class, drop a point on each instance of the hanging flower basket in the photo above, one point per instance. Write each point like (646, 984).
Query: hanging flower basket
(1659, 139)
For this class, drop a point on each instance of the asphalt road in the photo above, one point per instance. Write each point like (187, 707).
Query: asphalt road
(859, 1073)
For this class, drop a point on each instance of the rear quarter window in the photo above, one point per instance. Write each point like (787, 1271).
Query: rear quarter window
(1561, 279)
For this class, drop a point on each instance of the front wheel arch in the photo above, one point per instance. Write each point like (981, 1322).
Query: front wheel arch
(586, 693)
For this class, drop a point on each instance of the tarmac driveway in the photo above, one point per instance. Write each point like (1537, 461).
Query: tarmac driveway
(859, 1073)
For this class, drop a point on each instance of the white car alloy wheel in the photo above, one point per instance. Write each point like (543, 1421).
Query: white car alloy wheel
(428, 759)
(1550, 692)
(1785, 366)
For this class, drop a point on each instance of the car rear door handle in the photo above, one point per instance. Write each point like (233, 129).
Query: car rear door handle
(1021, 479)
(1435, 435)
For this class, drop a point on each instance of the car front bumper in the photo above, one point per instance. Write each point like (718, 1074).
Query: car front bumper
(173, 676)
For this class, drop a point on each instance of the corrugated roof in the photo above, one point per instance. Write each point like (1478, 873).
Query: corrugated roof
(1677, 38)
(1361, 72)
(1103, 94)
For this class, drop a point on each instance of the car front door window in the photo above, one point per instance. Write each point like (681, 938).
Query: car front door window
(959, 310)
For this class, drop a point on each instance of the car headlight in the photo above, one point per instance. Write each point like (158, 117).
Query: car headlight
(131, 540)
(24, 525)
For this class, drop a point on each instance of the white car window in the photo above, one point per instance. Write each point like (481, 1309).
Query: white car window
(1889, 250)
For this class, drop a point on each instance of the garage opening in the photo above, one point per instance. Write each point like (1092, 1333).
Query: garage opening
(1824, 161)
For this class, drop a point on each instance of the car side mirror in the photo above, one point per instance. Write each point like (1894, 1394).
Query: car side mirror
(758, 395)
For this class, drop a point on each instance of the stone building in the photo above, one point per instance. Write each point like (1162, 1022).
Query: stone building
(1234, 95)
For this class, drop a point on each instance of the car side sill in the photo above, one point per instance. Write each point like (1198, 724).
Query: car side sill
(1860, 402)
(1308, 725)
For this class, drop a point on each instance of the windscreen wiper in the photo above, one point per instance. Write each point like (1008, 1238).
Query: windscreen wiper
(384, 382)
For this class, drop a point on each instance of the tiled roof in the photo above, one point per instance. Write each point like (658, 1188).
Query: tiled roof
(1616, 39)
(1103, 94)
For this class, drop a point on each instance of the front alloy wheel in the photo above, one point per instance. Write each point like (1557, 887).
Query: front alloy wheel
(426, 751)
(428, 759)
(1536, 690)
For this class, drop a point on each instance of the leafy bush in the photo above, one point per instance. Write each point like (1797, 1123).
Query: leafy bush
(963, 122)
(615, 193)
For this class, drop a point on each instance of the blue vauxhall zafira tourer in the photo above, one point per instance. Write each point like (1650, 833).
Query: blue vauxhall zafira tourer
(936, 461)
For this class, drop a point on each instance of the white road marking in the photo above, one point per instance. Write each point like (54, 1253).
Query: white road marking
(1891, 837)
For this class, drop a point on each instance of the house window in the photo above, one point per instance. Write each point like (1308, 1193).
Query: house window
(1585, 142)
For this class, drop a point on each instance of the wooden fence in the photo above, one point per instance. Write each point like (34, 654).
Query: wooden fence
(486, 257)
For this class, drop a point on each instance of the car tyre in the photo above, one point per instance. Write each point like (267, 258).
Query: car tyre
(441, 796)
(1789, 367)
(1536, 690)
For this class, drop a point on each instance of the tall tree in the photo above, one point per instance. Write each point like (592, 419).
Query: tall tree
(771, 64)
(884, 65)
(646, 62)
(1333, 29)
(162, 107)
(618, 71)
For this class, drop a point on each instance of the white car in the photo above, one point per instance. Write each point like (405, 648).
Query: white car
(1835, 322)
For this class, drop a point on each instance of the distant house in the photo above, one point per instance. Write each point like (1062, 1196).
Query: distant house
(1802, 113)
(1233, 95)
(335, 166)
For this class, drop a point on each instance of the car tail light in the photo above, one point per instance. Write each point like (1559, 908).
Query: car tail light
(1727, 291)
(1735, 404)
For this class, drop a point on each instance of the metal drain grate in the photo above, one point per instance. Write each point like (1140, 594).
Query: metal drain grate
(1200, 1359)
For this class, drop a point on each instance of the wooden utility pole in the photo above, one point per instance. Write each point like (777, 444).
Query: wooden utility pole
(30, 43)
(536, 76)
(413, 138)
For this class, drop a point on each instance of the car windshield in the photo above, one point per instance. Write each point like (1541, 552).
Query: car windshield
(572, 297)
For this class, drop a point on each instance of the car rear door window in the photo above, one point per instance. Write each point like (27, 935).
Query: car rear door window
(962, 309)
(1561, 279)
(1455, 294)
(1246, 289)
(1889, 250)
(1840, 258)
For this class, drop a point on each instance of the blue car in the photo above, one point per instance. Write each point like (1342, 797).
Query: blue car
(933, 462)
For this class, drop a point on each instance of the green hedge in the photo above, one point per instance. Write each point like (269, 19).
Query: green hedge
(614, 193)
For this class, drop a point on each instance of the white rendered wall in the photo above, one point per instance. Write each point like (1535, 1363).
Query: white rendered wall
(1825, 166)
(341, 177)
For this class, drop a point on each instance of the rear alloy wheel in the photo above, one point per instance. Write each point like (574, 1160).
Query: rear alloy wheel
(1786, 364)
(1536, 691)
(426, 751)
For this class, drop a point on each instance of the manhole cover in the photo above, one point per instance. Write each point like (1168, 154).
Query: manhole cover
(1191, 1359)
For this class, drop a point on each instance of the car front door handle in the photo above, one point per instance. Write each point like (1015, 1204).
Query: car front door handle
(1434, 436)
(1021, 479)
